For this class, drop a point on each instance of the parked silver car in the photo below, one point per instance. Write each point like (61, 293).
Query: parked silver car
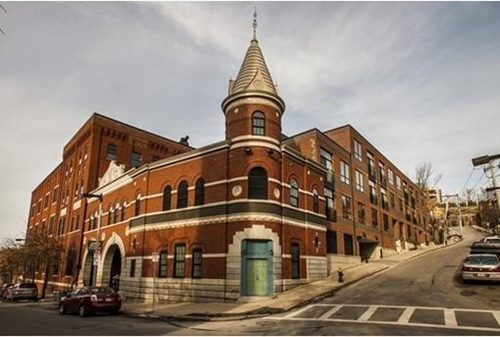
(481, 267)
(22, 291)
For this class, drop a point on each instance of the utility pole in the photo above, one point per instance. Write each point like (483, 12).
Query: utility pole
(445, 237)
(489, 161)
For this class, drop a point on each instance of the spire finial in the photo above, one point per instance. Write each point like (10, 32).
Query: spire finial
(254, 25)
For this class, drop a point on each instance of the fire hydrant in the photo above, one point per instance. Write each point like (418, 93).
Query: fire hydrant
(340, 275)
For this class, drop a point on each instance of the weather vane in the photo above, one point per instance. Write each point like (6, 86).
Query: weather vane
(255, 23)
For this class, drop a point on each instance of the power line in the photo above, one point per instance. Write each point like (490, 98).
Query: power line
(470, 176)
(477, 182)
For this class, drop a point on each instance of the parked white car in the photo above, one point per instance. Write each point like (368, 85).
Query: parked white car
(481, 267)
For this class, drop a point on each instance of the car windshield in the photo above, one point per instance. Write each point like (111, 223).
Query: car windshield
(482, 260)
(27, 285)
(102, 290)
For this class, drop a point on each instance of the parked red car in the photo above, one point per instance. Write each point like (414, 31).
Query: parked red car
(88, 300)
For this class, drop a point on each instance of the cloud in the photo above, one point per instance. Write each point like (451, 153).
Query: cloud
(419, 80)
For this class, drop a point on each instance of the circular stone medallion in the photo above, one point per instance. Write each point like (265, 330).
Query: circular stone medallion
(276, 193)
(237, 190)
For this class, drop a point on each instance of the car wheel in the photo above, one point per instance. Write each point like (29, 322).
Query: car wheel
(61, 309)
(82, 312)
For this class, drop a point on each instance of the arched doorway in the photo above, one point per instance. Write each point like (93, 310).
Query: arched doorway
(112, 267)
(88, 269)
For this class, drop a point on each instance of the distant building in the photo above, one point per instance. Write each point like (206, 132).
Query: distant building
(435, 195)
(252, 215)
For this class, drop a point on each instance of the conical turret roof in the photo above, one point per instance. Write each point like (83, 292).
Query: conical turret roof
(253, 74)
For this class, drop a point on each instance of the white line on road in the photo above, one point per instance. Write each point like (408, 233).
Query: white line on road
(450, 318)
(406, 315)
(459, 327)
(330, 312)
(496, 314)
(293, 314)
(368, 313)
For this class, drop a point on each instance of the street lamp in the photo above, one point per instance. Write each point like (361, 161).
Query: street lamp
(97, 250)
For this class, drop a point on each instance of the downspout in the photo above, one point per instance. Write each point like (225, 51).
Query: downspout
(79, 264)
(282, 220)
(226, 247)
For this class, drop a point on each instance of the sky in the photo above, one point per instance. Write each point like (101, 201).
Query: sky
(419, 80)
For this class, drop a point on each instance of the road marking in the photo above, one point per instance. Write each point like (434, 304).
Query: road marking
(338, 320)
(293, 314)
(449, 317)
(330, 312)
(406, 315)
(496, 314)
(368, 313)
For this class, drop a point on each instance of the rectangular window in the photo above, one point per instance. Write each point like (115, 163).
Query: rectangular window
(46, 201)
(179, 260)
(373, 195)
(361, 213)
(392, 199)
(360, 184)
(55, 194)
(398, 182)
(383, 179)
(135, 159)
(327, 160)
(346, 207)
(348, 245)
(132, 268)
(329, 206)
(112, 152)
(344, 172)
(295, 257)
(374, 218)
(331, 242)
(60, 230)
(383, 197)
(372, 175)
(52, 221)
(162, 265)
(390, 176)
(358, 152)
(386, 222)
(197, 258)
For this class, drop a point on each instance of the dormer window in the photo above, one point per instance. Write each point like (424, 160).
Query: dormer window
(258, 123)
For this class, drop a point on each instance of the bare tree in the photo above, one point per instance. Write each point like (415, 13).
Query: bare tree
(45, 251)
(424, 173)
(5, 11)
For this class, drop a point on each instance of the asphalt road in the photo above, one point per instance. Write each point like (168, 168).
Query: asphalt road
(421, 297)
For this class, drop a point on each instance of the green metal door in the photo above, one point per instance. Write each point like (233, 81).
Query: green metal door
(257, 277)
(257, 268)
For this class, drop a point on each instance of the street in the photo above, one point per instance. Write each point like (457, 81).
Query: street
(421, 297)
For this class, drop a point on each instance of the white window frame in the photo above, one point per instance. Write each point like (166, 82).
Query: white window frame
(360, 182)
(344, 172)
(358, 151)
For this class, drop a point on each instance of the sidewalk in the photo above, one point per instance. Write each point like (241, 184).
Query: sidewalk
(285, 301)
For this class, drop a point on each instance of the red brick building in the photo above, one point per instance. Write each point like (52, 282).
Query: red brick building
(252, 215)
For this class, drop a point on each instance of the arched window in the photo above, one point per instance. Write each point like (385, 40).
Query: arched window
(116, 214)
(122, 216)
(199, 192)
(257, 183)
(138, 205)
(167, 197)
(110, 216)
(182, 194)
(258, 124)
(294, 193)
(315, 201)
